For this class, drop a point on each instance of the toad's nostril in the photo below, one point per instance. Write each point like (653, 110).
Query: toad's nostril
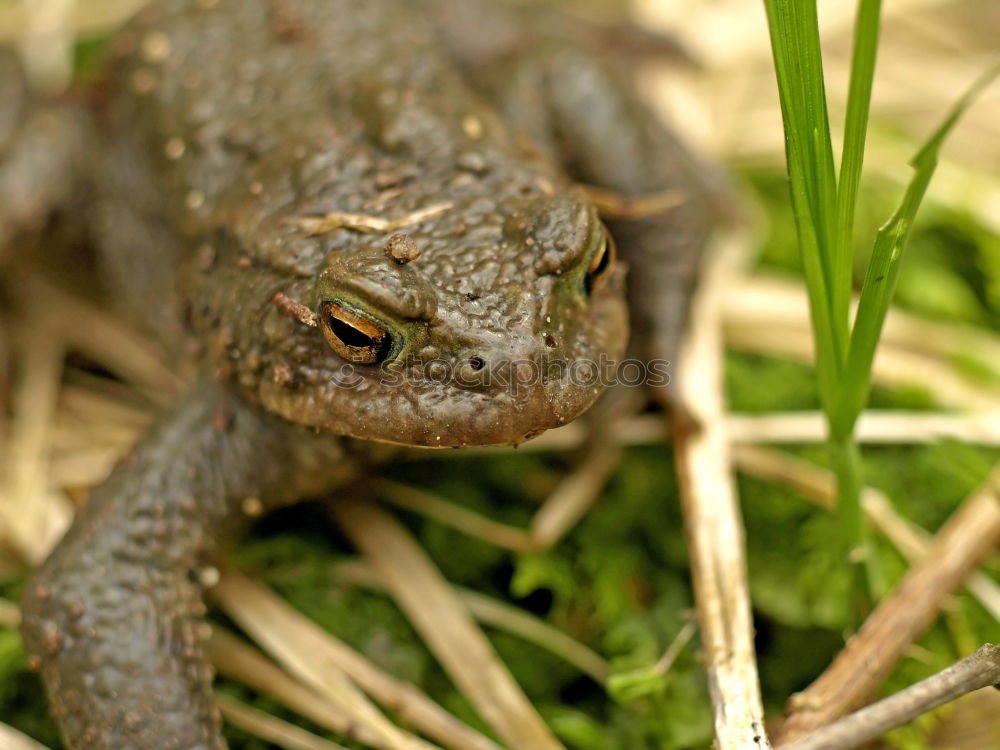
(472, 372)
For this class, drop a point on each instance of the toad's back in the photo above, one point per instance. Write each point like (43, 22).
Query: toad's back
(236, 121)
(238, 82)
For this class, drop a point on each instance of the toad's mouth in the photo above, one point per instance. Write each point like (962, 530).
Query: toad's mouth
(431, 414)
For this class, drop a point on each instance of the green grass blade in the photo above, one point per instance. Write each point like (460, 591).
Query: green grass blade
(883, 269)
(827, 364)
(798, 66)
(866, 35)
(818, 123)
(799, 44)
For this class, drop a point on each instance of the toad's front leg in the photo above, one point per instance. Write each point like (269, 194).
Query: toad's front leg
(114, 616)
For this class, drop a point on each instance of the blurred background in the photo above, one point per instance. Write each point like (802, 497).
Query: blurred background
(607, 603)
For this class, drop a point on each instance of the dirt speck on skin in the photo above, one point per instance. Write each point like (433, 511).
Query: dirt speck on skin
(294, 309)
(401, 248)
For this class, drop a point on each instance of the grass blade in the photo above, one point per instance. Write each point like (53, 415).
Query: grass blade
(883, 269)
(866, 35)
(798, 64)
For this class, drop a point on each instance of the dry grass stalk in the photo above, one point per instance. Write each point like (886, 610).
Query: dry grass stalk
(502, 616)
(737, 75)
(562, 510)
(47, 44)
(675, 648)
(712, 518)
(270, 728)
(95, 426)
(899, 619)
(86, 399)
(980, 670)
(771, 317)
(32, 517)
(819, 486)
(735, 41)
(812, 482)
(454, 516)
(914, 542)
(893, 368)
(507, 617)
(303, 648)
(642, 430)
(443, 621)
(783, 300)
(106, 338)
(86, 467)
(92, 17)
(406, 701)
(11, 739)
(874, 426)
(316, 225)
(612, 205)
(240, 661)
(577, 493)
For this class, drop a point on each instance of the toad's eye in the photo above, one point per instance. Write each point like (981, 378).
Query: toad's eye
(601, 261)
(354, 337)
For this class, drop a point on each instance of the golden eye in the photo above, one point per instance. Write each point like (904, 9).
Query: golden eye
(355, 338)
(601, 261)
